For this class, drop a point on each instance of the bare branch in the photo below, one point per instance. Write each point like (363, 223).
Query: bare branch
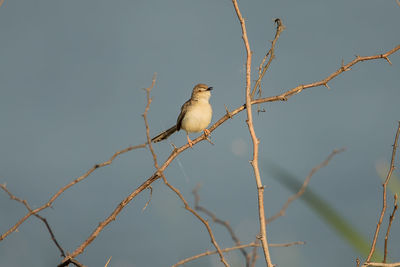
(324, 82)
(391, 218)
(254, 162)
(384, 185)
(304, 186)
(109, 259)
(25, 203)
(254, 244)
(148, 201)
(380, 264)
(262, 69)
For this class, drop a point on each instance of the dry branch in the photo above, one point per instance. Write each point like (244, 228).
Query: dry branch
(44, 220)
(391, 218)
(384, 204)
(254, 244)
(380, 264)
(262, 69)
(254, 162)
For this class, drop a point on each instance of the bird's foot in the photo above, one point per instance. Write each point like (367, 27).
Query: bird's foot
(190, 142)
(206, 134)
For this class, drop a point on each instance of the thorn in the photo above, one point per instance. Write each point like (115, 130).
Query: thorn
(227, 112)
(209, 140)
(174, 146)
(387, 59)
(327, 86)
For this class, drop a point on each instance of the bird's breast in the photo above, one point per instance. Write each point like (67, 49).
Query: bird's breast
(197, 118)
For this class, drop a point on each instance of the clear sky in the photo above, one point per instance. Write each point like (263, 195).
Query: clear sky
(71, 79)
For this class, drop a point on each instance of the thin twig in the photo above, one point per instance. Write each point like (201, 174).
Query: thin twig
(391, 218)
(109, 259)
(304, 186)
(254, 162)
(384, 185)
(77, 263)
(217, 220)
(148, 201)
(262, 69)
(254, 244)
(381, 264)
(44, 220)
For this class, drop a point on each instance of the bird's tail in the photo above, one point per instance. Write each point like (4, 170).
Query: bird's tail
(164, 135)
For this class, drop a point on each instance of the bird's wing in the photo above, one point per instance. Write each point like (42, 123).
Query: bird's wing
(184, 109)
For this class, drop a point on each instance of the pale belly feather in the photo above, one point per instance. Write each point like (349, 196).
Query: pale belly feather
(197, 119)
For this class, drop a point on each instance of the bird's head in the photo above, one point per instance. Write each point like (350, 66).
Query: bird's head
(201, 91)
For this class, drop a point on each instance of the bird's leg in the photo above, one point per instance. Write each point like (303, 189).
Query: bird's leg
(206, 134)
(189, 141)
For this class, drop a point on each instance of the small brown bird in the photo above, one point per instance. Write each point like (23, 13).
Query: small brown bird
(195, 115)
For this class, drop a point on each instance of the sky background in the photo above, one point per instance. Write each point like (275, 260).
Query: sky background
(71, 79)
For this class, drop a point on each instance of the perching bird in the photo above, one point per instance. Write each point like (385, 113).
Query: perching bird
(195, 115)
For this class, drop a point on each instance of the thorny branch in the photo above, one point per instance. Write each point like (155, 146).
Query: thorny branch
(260, 187)
(391, 218)
(324, 82)
(384, 205)
(254, 244)
(304, 186)
(262, 69)
(380, 264)
(25, 203)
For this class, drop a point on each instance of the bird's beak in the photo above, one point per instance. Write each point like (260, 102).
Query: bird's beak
(209, 88)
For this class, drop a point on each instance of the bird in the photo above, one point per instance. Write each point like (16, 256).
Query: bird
(195, 116)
